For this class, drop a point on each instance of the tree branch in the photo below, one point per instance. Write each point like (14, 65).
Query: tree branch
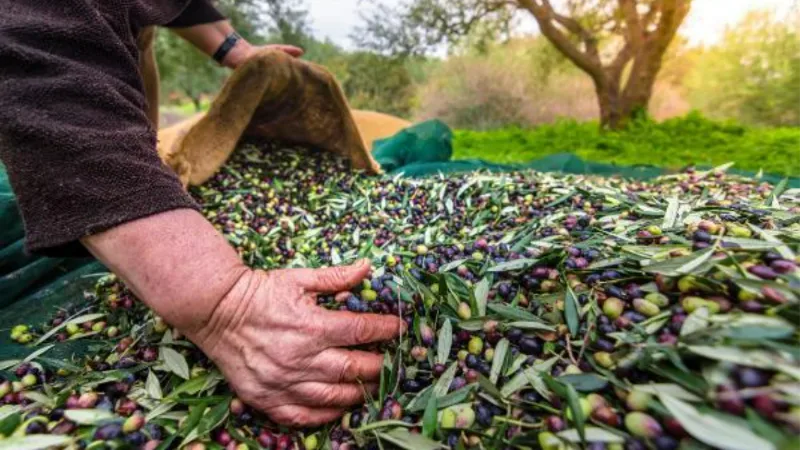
(544, 14)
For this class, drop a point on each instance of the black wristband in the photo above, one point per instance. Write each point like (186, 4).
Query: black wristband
(226, 46)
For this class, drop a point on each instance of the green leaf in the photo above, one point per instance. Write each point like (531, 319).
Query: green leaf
(593, 434)
(752, 358)
(429, 419)
(482, 296)
(711, 430)
(175, 362)
(529, 375)
(584, 382)
(214, 417)
(571, 312)
(404, 439)
(531, 325)
(780, 188)
(88, 416)
(40, 398)
(38, 353)
(452, 265)
(516, 264)
(489, 387)
(9, 363)
(10, 419)
(670, 389)
(76, 320)
(444, 342)
(512, 313)
(573, 402)
(682, 265)
(443, 384)
(696, 321)
(498, 360)
(35, 442)
(767, 430)
(153, 386)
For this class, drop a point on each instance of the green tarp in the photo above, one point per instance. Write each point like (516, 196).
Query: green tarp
(31, 288)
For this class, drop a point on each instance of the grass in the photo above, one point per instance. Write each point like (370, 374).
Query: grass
(673, 144)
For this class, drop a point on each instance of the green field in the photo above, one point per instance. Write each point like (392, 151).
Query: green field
(673, 144)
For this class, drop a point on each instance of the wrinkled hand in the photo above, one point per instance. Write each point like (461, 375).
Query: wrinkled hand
(281, 352)
(244, 51)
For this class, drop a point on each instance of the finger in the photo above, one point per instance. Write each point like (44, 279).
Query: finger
(345, 328)
(291, 50)
(333, 279)
(337, 365)
(301, 416)
(327, 395)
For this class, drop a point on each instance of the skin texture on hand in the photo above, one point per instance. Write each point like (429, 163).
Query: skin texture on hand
(208, 37)
(279, 351)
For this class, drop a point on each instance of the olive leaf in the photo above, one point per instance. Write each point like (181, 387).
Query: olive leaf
(35, 442)
(404, 439)
(175, 362)
(512, 313)
(711, 430)
(530, 375)
(429, 418)
(498, 360)
(682, 265)
(443, 384)
(88, 416)
(516, 264)
(153, 386)
(592, 434)
(671, 389)
(571, 312)
(452, 265)
(74, 320)
(444, 342)
(482, 296)
(531, 325)
(584, 382)
(696, 321)
(754, 358)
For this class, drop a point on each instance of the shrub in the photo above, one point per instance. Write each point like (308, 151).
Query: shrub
(674, 143)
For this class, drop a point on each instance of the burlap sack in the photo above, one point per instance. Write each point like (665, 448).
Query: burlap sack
(272, 95)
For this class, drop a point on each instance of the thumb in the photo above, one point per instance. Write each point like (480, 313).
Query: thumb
(335, 279)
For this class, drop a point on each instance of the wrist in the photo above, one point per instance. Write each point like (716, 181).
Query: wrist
(238, 54)
(227, 313)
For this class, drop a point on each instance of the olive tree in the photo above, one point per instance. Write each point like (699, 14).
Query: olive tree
(620, 44)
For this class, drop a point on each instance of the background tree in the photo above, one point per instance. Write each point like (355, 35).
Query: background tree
(753, 73)
(287, 21)
(186, 71)
(618, 43)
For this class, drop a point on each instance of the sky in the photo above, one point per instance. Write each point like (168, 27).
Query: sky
(706, 22)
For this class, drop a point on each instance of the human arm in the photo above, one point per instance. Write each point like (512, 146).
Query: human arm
(206, 29)
(278, 349)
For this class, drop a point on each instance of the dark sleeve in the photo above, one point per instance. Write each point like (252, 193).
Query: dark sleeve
(80, 152)
(197, 12)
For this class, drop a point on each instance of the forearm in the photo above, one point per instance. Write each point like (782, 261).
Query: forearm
(175, 261)
(208, 37)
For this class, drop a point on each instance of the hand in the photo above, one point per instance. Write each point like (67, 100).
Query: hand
(281, 352)
(244, 51)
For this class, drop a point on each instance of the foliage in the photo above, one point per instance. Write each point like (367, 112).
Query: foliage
(186, 71)
(673, 143)
(288, 21)
(523, 82)
(753, 75)
(377, 82)
(619, 44)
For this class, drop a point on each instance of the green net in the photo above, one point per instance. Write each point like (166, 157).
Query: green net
(32, 288)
